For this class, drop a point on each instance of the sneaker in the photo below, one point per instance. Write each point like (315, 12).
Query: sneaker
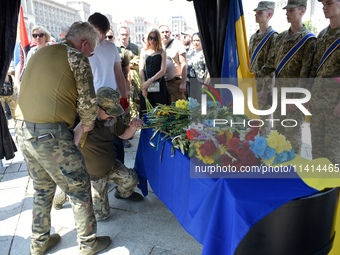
(59, 200)
(133, 197)
(100, 244)
(52, 241)
(126, 143)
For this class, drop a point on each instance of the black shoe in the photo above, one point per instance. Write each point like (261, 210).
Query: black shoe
(133, 197)
(126, 143)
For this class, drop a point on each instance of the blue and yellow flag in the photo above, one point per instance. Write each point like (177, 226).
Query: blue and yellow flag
(236, 60)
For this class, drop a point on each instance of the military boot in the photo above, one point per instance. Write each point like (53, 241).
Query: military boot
(52, 241)
(59, 200)
(100, 244)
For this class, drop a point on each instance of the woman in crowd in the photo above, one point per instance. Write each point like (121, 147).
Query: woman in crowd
(41, 37)
(152, 67)
(197, 69)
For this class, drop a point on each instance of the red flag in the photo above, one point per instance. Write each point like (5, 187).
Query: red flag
(24, 42)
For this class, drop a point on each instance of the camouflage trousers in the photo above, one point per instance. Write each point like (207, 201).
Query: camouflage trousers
(266, 85)
(173, 90)
(126, 180)
(292, 134)
(134, 100)
(325, 135)
(266, 128)
(53, 159)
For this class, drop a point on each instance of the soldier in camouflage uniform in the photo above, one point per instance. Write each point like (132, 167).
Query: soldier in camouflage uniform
(325, 102)
(134, 53)
(297, 67)
(51, 94)
(260, 45)
(96, 147)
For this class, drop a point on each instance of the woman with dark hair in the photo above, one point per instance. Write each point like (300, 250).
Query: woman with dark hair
(197, 68)
(152, 67)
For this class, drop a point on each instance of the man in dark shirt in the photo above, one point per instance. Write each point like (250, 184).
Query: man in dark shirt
(101, 163)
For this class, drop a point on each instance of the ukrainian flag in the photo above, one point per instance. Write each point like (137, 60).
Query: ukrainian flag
(236, 60)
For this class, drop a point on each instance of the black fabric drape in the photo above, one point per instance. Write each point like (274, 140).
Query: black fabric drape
(9, 13)
(212, 20)
(7, 146)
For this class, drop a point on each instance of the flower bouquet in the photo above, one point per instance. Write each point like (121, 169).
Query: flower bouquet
(217, 142)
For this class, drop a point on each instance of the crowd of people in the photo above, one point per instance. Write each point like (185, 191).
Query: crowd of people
(81, 101)
(90, 100)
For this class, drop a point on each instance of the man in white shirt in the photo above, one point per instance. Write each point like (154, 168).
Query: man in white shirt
(107, 69)
(105, 62)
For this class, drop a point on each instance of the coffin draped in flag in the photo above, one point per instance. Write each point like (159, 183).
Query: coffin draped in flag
(21, 48)
(236, 60)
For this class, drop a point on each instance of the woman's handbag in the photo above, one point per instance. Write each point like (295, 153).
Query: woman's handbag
(154, 87)
(7, 87)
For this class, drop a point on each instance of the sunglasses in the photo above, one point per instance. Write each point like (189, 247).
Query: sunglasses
(104, 110)
(109, 36)
(38, 35)
(152, 38)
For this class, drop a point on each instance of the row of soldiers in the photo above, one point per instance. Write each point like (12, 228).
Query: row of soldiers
(293, 56)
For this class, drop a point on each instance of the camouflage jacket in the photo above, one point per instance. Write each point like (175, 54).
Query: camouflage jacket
(59, 80)
(124, 56)
(325, 91)
(80, 66)
(262, 56)
(297, 67)
(133, 51)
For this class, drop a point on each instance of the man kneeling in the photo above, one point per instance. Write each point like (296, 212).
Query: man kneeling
(98, 151)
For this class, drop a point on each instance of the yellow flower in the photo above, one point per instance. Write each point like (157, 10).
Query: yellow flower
(272, 142)
(182, 104)
(206, 160)
(274, 133)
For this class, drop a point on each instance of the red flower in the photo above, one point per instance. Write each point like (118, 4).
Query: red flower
(249, 159)
(226, 160)
(124, 103)
(221, 139)
(250, 136)
(243, 147)
(207, 148)
(192, 133)
(234, 144)
(255, 123)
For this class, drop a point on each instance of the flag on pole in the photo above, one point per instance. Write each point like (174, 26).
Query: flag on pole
(236, 60)
(22, 47)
